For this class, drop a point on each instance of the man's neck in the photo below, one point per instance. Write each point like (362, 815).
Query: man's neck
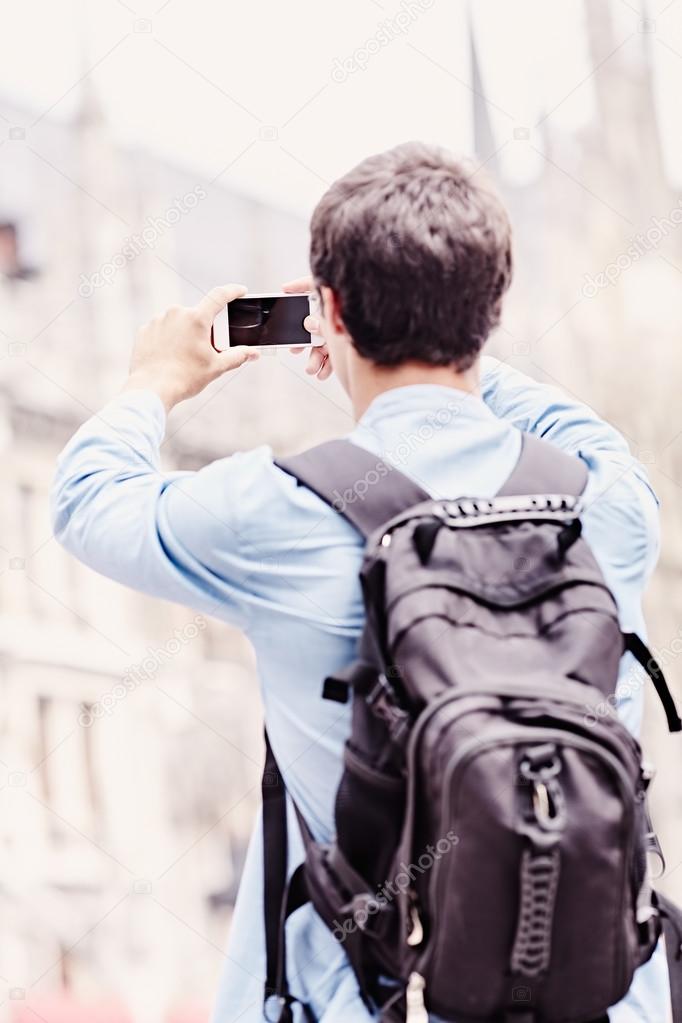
(367, 381)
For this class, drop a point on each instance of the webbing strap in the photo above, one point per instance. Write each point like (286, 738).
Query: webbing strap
(280, 898)
(543, 468)
(274, 862)
(640, 651)
(357, 484)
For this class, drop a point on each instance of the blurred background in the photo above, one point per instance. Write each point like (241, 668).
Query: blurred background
(149, 150)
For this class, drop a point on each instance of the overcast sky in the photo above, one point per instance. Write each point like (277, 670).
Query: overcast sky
(283, 97)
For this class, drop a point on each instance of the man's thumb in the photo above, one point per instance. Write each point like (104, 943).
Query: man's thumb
(233, 358)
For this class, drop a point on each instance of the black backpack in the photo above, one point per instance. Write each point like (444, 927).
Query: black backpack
(491, 822)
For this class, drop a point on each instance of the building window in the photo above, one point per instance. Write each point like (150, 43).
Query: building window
(11, 266)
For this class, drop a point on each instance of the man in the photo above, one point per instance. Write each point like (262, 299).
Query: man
(411, 255)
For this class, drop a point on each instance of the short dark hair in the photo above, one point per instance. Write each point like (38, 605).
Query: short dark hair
(417, 247)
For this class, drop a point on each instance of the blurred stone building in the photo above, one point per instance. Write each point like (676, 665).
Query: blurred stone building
(129, 730)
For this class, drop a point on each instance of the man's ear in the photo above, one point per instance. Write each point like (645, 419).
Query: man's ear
(331, 310)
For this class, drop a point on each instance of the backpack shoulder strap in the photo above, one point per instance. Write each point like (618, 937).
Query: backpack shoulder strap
(543, 468)
(369, 491)
(275, 850)
(357, 484)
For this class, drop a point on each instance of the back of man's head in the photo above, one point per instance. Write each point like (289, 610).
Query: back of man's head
(416, 247)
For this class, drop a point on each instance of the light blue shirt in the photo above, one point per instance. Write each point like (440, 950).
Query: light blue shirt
(241, 541)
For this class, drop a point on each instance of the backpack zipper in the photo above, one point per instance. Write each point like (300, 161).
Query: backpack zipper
(516, 691)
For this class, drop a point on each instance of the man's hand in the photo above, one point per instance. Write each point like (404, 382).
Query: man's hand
(173, 354)
(319, 364)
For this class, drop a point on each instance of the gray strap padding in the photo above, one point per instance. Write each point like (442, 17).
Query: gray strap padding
(543, 468)
(359, 485)
(368, 491)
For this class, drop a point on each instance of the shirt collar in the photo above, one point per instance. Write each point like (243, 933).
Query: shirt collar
(430, 399)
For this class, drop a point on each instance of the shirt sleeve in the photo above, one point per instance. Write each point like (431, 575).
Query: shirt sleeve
(550, 412)
(113, 508)
(618, 494)
(233, 540)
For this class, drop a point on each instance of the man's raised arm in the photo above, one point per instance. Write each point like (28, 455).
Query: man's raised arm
(112, 506)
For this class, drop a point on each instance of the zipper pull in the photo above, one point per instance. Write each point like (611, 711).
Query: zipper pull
(414, 996)
(416, 935)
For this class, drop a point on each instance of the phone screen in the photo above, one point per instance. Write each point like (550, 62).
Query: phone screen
(269, 321)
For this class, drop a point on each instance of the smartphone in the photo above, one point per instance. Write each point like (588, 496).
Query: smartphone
(264, 321)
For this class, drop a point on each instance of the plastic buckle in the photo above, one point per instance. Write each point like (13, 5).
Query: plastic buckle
(362, 907)
(381, 687)
(381, 700)
(336, 689)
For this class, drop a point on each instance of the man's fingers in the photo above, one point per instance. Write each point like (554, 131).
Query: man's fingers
(316, 360)
(319, 363)
(326, 369)
(233, 358)
(301, 286)
(217, 299)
